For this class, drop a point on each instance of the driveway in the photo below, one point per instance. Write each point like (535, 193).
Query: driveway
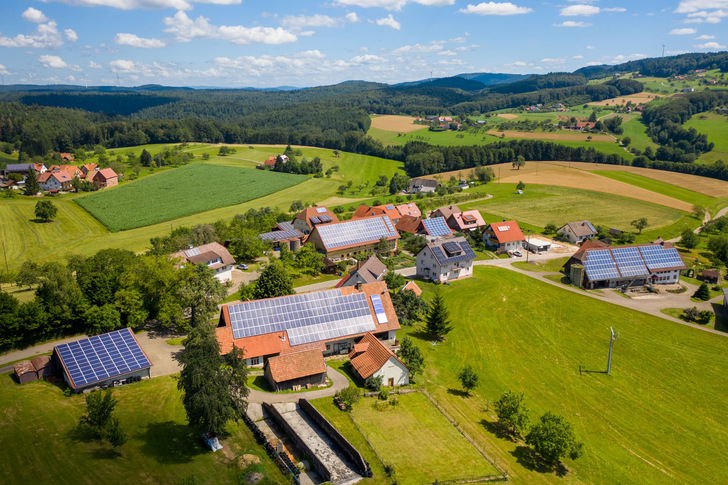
(339, 382)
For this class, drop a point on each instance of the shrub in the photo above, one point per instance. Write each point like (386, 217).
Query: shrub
(703, 293)
(373, 383)
(349, 396)
(384, 394)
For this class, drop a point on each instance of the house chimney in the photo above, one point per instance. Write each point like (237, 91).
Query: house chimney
(358, 286)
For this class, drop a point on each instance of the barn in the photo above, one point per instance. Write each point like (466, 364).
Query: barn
(371, 358)
(295, 371)
(25, 371)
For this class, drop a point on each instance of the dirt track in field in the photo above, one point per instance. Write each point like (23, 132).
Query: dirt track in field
(397, 124)
(508, 116)
(638, 98)
(551, 136)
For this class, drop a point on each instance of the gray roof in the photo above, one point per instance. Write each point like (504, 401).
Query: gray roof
(12, 167)
(372, 270)
(581, 228)
(451, 250)
(424, 183)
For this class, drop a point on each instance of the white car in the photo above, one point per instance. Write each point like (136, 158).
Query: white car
(517, 254)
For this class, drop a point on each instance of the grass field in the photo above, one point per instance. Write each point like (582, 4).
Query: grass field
(658, 418)
(419, 441)
(181, 192)
(39, 444)
(715, 126)
(674, 191)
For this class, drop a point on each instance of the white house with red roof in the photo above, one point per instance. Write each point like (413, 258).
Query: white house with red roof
(371, 358)
(503, 236)
(466, 221)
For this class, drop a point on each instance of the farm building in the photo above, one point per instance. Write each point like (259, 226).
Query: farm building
(379, 210)
(409, 209)
(446, 260)
(101, 360)
(88, 167)
(214, 255)
(410, 224)
(537, 245)
(641, 264)
(24, 168)
(297, 370)
(43, 365)
(310, 217)
(423, 185)
(105, 178)
(347, 239)
(578, 257)
(328, 321)
(25, 372)
(577, 232)
(504, 236)
(710, 276)
(371, 358)
(371, 271)
(284, 234)
(466, 221)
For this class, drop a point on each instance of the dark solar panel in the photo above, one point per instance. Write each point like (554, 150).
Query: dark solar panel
(324, 218)
(451, 248)
(280, 235)
(356, 231)
(437, 227)
(657, 257)
(600, 266)
(466, 253)
(629, 262)
(101, 357)
(315, 220)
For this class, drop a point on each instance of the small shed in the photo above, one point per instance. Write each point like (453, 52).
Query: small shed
(43, 366)
(412, 286)
(711, 276)
(296, 370)
(25, 371)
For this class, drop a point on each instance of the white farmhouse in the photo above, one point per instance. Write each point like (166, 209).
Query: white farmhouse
(446, 260)
(371, 358)
(214, 255)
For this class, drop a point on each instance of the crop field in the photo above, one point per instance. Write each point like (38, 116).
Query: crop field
(398, 124)
(181, 192)
(703, 185)
(656, 186)
(562, 135)
(161, 449)
(508, 116)
(542, 204)
(658, 418)
(638, 98)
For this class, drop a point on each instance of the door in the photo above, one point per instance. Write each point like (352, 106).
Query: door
(391, 382)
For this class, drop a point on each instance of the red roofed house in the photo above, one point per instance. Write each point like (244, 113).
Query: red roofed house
(378, 210)
(466, 221)
(312, 216)
(410, 224)
(214, 255)
(89, 167)
(409, 209)
(67, 157)
(291, 372)
(273, 327)
(412, 286)
(105, 178)
(371, 358)
(504, 236)
(55, 180)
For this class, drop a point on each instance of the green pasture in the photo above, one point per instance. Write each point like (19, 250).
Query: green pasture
(658, 418)
(713, 125)
(635, 130)
(663, 188)
(40, 444)
(181, 192)
(540, 205)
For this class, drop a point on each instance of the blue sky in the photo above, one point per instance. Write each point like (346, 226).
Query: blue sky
(237, 43)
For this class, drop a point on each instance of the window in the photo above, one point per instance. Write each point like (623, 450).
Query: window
(255, 361)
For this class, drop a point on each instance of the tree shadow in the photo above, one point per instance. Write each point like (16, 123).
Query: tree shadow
(583, 371)
(421, 335)
(458, 392)
(169, 442)
(529, 459)
(40, 221)
(497, 429)
(105, 454)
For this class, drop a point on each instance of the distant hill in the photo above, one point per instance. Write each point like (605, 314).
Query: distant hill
(474, 81)
(490, 78)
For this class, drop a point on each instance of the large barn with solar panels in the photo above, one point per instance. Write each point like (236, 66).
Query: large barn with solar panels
(642, 264)
(311, 217)
(102, 360)
(347, 239)
(446, 260)
(331, 321)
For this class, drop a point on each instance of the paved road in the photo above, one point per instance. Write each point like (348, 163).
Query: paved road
(339, 382)
(31, 352)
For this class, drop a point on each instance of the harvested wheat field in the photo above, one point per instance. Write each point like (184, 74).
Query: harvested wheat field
(639, 98)
(397, 124)
(551, 136)
(702, 185)
(508, 116)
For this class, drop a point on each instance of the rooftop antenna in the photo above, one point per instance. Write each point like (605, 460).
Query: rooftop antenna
(663, 50)
(612, 338)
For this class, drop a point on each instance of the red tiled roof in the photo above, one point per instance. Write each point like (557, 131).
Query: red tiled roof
(342, 281)
(371, 359)
(409, 224)
(296, 365)
(507, 231)
(309, 212)
(411, 285)
(409, 209)
(106, 174)
(377, 210)
(466, 220)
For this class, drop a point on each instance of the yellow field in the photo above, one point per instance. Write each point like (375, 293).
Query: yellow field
(508, 116)
(639, 98)
(566, 136)
(397, 124)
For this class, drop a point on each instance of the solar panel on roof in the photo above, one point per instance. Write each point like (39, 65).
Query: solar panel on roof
(379, 308)
(599, 265)
(315, 220)
(101, 357)
(324, 218)
(280, 235)
(357, 231)
(657, 257)
(589, 225)
(320, 210)
(437, 227)
(192, 252)
(451, 248)
(629, 262)
(465, 254)
(389, 207)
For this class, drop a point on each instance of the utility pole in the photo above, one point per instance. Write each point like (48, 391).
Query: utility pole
(612, 338)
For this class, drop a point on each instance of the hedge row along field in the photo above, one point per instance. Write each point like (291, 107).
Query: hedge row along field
(181, 192)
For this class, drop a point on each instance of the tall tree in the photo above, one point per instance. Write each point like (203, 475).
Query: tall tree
(31, 183)
(99, 409)
(412, 357)
(689, 239)
(273, 281)
(640, 224)
(237, 375)
(438, 318)
(553, 438)
(199, 292)
(145, 158)
(45, 210)
(512, 412)
(408, 306)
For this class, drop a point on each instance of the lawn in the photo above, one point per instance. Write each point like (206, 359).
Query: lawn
(657, 418)
(421, 444)
(543, 204)
(40, 446)
(182, 192)
(548, 266)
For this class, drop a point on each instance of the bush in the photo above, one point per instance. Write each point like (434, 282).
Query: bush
(703, 293)
(384, 394)
(374, 383)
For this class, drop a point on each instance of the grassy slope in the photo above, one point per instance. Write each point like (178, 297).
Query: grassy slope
(39, 445)
(181, 192)
(658, 417)
(716, 127)
(659, 187)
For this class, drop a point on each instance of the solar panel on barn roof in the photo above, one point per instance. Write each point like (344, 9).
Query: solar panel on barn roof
(437, 227)
(357, 231)
(320, 210)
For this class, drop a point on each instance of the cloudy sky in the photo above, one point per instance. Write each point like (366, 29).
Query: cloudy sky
(237, 43)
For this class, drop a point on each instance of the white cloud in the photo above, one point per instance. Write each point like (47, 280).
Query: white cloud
(689, 6)
(614, 9)
(578, 10)
(367, 59)
(71, 35)
(451, 62)
(307, 62)
(392, 4)
(53, 61)
(352, 17)
(93, 65)
(185, 29)
(144, 4)
(577, 57)
(134, 40)
(618, 59)
(123, 66)
(571, 23)
(4, 70)
(590, 47)
(683, 31)
(705, 37)
(517, 64)
(389, 21)
(710, 45)
(46, 36)
(34, 15)
(556, 60)
(447, 53)
(417, 48)
(297, 23)
(493, 8)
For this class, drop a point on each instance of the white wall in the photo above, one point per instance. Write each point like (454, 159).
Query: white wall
(224, 274)
(393, 369)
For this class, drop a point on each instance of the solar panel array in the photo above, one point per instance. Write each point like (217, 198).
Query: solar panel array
(629, 262)
(280, 235)
(325, 218)
(589, 224)
(356, 231)
(102, 357)
(389, 207)
(466, 253)
(315, 220)
(308, 317)
(658, 257)
(192, 252)
(379, 308)
(600, 265)
(285, 226)
(320, 210)
(437, 227)
(451, 248)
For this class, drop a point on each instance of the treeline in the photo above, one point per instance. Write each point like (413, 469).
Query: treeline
(664, 125)
(110, 290)
(662, 66)
(535, 83)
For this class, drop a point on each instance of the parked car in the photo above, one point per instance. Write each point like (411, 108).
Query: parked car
(242, 266)
(517, 254)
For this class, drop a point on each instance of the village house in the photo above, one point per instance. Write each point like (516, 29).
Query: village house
(445, 212)
(370, 271)
(347, 239)
(296, 371)
(446, 260)
(88, 168)
(66, 157)
(214, 255)
(423, 185)
(370, 358)
(577, 232)
(503, 236)
(409, 209)
(466, 221)
(55, 181)
(24, 168)
(312, 216)
(329, 321)
(368, 211)
(105, 178)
